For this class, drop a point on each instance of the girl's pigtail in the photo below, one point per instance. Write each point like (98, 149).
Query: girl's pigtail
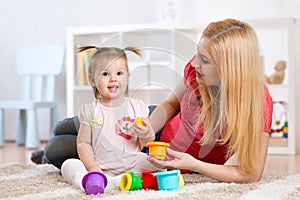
(83, 48)
(134, 50)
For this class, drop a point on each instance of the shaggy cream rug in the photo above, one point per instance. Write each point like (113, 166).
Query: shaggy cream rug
(45, 182)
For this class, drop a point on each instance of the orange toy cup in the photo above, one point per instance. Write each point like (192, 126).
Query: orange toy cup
(158, 149)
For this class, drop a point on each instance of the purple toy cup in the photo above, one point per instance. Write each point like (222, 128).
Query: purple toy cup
(94, 183)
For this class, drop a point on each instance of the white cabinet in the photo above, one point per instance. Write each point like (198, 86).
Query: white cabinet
(167, 49)
(280, 40)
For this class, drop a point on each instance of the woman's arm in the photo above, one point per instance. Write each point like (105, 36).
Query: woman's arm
(224, 173)
(168, 108)
(84, 148)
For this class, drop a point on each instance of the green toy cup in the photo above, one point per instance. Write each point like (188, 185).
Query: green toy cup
(130, 181)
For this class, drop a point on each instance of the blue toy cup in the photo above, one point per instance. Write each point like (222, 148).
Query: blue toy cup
(167, 180)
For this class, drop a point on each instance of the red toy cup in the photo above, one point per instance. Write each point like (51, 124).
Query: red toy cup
(149, 181)
(94, 183)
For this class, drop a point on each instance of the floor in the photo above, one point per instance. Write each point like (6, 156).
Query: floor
(275, 164)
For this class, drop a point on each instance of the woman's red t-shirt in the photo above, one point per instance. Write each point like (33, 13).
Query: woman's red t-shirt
(183, 134)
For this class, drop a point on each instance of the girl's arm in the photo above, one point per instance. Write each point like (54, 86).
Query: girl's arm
(224, 173)
(144, 131)
(84, 148)
(160, 115)
(167, 108)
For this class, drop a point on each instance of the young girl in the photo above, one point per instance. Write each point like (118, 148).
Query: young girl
(109, 140)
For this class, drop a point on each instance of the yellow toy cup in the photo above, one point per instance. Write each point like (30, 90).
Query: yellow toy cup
(158, 149)
(130, 181)
(139, 120)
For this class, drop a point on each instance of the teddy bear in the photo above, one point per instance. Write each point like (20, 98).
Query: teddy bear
(278, 76)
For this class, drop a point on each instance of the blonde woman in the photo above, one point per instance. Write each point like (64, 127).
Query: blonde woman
(220, 114)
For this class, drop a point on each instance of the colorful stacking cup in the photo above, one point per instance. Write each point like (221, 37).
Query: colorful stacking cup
(168, 180)
(94, 183)
(158, 149)
(130, 181)
(149, 180)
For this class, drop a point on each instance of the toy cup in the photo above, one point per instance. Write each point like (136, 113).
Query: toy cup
(130, 181)
(149, 180)
(180, 181)
(168, 180)
(94, 183)
(139, 120)
(158, 149)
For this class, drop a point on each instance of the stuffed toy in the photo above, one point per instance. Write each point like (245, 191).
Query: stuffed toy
(278, 76)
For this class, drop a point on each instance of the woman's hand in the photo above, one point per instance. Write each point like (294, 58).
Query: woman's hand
(174, 160)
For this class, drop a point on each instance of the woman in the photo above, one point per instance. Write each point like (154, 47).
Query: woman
(225, 108)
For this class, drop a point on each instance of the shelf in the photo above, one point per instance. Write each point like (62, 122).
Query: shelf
(168, 47)
(278, 142)
(165, 49)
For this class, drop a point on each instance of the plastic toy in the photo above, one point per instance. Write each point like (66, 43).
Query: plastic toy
(158, 149)
(139, 120)
(285, 130)
(130, 181)
(149, 180)
(94, 183)
(169, 180)
(278, 76)
(180, 181)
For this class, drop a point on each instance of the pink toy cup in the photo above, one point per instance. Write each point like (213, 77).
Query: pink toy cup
(94, 183)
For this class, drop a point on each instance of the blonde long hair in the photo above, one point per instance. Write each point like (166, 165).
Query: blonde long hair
(232, 113)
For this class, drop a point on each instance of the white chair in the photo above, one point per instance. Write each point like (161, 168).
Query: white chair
(39, 65)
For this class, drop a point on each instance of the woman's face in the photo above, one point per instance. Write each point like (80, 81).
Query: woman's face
(206, 70)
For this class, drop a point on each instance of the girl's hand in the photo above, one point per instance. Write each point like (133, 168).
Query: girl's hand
(142, 127)
(174, 160)
(94, 167)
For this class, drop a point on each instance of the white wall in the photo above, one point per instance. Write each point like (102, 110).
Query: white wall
(37, 22)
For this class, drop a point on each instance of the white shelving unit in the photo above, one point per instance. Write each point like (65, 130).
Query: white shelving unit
(167, 49)
(280, 41)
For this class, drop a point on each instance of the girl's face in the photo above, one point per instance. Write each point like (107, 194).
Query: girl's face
(206, 69)
(111, 81)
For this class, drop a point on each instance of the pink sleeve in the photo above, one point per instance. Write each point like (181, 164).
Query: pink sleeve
(268, 111)
(84, 115)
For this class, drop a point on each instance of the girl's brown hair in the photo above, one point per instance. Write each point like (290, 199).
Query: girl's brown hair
(106, 55)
